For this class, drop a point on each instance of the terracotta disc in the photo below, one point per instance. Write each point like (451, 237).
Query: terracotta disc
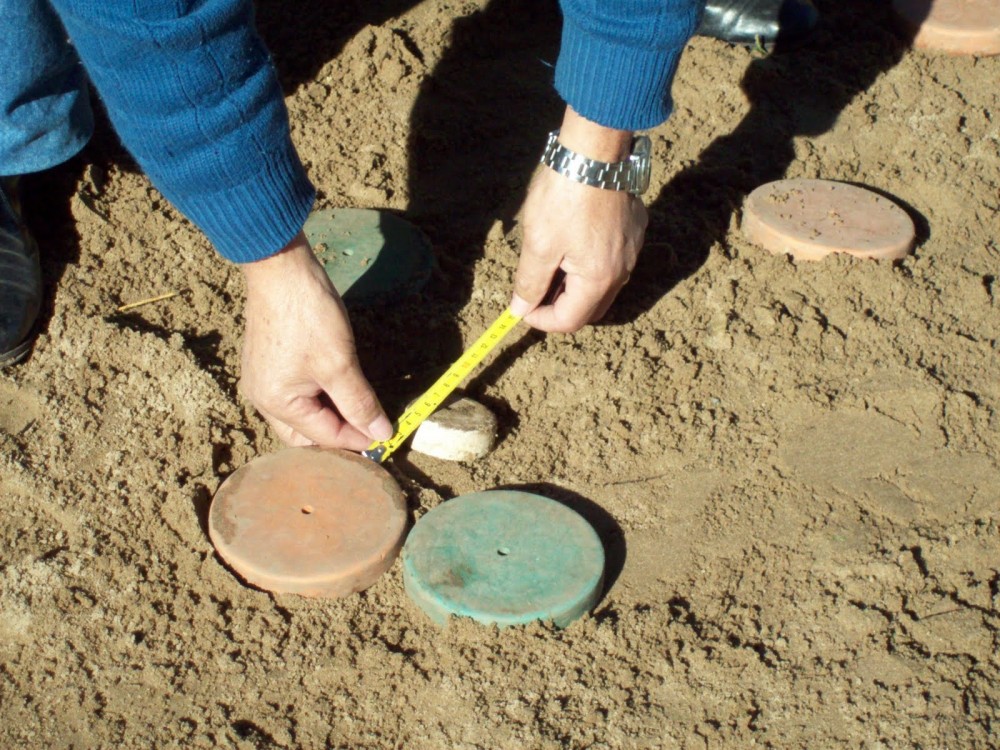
(809, 219)
(310, 521)
(959, 27)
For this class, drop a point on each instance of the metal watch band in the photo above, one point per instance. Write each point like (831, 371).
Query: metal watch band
(631, 175)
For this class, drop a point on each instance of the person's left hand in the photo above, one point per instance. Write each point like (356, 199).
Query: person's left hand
(589, 234)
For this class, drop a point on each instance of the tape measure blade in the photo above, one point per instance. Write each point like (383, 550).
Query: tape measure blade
(434, 396)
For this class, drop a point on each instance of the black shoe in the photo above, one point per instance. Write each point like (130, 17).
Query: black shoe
(768, 24)
(20, 278)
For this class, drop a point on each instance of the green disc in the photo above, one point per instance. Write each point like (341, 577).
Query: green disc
(370, 256)
(505, 558)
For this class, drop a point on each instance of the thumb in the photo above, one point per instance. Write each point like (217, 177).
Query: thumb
(358, 405)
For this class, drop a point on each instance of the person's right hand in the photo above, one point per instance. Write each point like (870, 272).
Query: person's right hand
(587, 235)
(300, 365)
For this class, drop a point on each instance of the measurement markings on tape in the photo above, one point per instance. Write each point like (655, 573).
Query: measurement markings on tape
(432, 398)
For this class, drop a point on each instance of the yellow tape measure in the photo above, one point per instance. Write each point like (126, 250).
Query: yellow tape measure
(424, 406)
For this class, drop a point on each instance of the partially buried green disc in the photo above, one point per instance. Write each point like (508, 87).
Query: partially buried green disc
(370, 256)
(503, 557)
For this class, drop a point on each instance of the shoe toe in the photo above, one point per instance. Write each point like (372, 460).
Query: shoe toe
(20, 295)
(796, 20)
(773, 24)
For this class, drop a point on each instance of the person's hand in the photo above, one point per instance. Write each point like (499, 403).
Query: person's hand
(591, 235)
(300, 366)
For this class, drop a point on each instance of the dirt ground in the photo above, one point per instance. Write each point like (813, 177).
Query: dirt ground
(792, 466)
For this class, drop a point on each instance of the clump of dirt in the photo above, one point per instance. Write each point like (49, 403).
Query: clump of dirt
(793, 466)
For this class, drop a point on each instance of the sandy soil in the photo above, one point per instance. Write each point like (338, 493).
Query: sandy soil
(793, 467)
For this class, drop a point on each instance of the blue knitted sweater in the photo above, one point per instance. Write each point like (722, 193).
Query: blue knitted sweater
(192, 93)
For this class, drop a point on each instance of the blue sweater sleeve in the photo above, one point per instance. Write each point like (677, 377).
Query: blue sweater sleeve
(192, 93)
(618, 58)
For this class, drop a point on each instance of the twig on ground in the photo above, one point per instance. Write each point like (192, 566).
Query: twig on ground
(149, 301)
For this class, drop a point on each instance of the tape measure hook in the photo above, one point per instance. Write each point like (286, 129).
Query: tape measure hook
(375, 454)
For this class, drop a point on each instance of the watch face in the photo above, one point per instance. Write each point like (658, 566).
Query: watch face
(642, 164)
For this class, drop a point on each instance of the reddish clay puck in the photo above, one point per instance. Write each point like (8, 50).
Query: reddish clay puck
(309, 521)
(809, 219)
(958, 27)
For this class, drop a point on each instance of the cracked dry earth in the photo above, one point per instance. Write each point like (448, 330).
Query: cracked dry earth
(793, 466)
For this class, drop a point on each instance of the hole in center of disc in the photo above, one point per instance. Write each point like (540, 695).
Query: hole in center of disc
(307, 509)
(503, 551)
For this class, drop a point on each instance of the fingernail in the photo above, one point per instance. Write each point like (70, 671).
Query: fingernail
(519, 306)
(381, 428)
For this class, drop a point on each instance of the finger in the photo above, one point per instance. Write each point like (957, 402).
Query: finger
(572, 309)
(298, 441)
(535, 272)
(316, 423)
(609, 299)
(604, 306)
(520, 306)
(357, 403)
(295, 439)
(285, 433)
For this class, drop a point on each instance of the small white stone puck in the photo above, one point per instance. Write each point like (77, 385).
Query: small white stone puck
(462, 430)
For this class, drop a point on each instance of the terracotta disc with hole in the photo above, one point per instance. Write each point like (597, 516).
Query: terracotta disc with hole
(809, 219)
(958, 27)
(503, 558)
(310, 521)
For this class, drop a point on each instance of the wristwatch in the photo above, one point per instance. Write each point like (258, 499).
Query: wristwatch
(631, 175)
